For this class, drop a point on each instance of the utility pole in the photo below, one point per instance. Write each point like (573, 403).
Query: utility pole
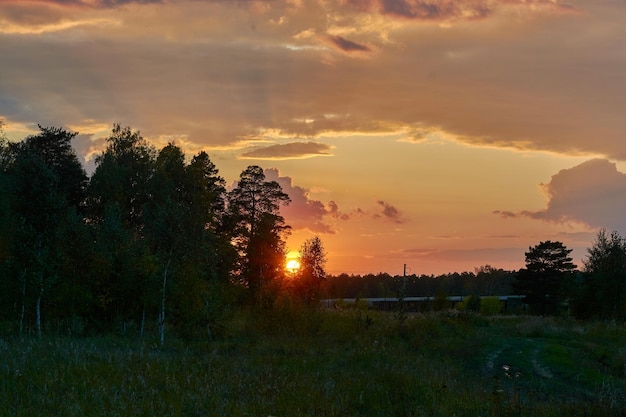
(402, 293)
(404, 280)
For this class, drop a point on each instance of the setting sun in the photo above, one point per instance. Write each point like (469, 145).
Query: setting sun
(293, 265)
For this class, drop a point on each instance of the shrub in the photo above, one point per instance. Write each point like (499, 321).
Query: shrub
(469, 303)
(490, 306)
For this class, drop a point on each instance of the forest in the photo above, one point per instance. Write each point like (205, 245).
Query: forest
(153, 241)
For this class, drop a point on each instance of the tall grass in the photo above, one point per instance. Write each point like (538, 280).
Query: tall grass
(291, 361)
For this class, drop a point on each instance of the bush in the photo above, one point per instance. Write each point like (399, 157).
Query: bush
(469, 303)
(490, 306)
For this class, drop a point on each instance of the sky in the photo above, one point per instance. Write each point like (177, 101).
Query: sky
(438, 134)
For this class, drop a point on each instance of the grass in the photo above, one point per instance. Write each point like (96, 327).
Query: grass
(291, 362)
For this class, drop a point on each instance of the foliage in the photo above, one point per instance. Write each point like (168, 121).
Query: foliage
(603, 291)
(154, 239)
(487, 281)
(312, 273)
(548, 266)
(143, 235)
(470, 303)
(258, 229)
(490, 306)
(43, 204)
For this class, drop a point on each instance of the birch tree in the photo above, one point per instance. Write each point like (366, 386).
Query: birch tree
(47, 193)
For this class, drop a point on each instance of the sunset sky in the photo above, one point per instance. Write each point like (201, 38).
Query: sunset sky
(441, 134)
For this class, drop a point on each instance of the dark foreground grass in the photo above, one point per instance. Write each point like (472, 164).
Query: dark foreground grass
(328, 363)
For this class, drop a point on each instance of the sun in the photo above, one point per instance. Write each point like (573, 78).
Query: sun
(292, 265)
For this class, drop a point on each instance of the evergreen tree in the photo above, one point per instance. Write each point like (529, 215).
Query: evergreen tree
(603, 293)
(258, 228)
(548, 266)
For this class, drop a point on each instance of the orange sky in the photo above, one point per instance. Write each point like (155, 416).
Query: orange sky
(440, 134)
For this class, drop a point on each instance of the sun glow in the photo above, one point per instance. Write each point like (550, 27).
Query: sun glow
(292, 265)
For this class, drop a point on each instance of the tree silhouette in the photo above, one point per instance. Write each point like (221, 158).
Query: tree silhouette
(47, 185)
(543, 279)
(603, 292)
(312, 270)
(258, 228)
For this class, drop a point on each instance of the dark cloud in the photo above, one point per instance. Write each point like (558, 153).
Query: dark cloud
(409, 9)
(442, 10)
(592, 193)
(295, 150)
(505, 214)
(88, 3)
(389, 212)
(347, 46)
(333, 210)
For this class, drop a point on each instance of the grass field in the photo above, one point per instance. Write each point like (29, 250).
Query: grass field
(292, 362)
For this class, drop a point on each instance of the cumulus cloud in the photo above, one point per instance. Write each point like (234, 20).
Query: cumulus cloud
(295, 150)
(592, 193)
(303, 212)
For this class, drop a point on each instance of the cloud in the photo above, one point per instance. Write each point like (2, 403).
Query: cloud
(481, 256)
(333, 210)
(347, 47)
(445, 10)
(85, 3)
(295, 150)
(592, 193)
(303, 212)
(389, 212)
(419, 9)
(218, 71)
(505, 214)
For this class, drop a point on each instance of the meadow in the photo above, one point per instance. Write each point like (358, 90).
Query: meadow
(291, 361)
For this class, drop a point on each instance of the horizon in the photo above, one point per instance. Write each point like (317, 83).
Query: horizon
(441, 135)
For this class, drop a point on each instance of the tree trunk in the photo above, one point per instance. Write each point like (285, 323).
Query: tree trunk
(38, 311)
(23, 309)
(143, 321)
(162, 314)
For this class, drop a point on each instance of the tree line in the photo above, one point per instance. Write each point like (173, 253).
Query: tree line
(149, 240)
(550, 282)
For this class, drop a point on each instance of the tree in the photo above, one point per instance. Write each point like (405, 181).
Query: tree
(312, 270)
(548, 265)
(121, 178)
(603, 292)
(5, 206)
(206, 191)
(117, 196)
(208, 288)
(165, 217)
(47, 194)
(257, 228)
